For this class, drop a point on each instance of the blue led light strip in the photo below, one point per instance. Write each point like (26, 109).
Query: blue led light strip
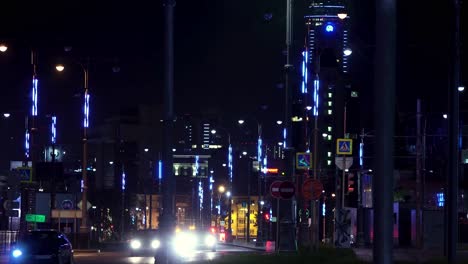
(54, 129)
(86, 110)
(34, 97)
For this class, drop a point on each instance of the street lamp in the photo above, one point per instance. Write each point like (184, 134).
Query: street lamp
(347, 52)
(342, 15)
(84, 199)
(3, 47)
(6, 115)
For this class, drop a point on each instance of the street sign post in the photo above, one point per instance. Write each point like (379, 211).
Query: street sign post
(274, 189)
(35, 218)
(287, 190)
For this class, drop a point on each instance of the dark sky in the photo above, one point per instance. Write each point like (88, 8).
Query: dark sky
(228, 54)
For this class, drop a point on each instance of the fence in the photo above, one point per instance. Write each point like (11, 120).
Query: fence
(7, 238)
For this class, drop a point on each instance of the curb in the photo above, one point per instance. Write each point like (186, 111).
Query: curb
(245, 246)
(86, 250)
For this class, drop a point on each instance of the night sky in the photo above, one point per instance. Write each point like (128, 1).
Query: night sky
(229, 55)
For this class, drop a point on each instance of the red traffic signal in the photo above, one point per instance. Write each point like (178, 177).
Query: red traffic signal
(350, 182)
(266, 216)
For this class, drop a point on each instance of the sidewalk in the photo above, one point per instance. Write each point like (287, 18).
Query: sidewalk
(268, 246)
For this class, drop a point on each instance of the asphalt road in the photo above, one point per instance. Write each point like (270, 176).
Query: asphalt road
(124, 257)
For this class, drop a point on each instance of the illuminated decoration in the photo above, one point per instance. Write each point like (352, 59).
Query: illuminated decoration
(211, 191)
(53, 129)
(316, 95)
(329, 28)
(86, 110)
(264, 162)
(440, 199)
(160, 169)
(26, 144)
(259, 153)
(197, 165)
(82, 185)
(34, 97)
(323, 209)
(230, 162)
(304, 71)
(361, 154)
(124, 183)
(284, 137)
(271, 170)
(200, 194)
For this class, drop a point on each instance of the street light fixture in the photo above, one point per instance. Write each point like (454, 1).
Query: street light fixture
(461, 88)
(347, 52)
(241, 121)
(3, 47)
(60, 67)
(279, 122)
(6, 115)
(342, 15)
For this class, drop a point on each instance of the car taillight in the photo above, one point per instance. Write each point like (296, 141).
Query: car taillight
(213, 230)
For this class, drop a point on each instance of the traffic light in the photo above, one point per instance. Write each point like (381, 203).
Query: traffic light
(266, 216)
(350, 183)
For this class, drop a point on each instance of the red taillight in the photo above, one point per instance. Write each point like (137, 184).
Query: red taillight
(213, 230)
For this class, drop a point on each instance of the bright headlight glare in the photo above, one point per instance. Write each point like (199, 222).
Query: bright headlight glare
(155, 244)
(185, 241)
(135, 244)
(210, 240)
(17, 253)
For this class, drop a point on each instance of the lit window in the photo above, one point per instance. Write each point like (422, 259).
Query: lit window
(329, 103)
(329, 162)
(329, 154)
(329, 129)
(329, 111)
(329, 95)
(329, 137)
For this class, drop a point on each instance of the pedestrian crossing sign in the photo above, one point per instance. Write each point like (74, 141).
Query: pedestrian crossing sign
(344, 146)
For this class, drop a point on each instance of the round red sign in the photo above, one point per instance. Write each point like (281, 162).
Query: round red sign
(287, 190)
(312, 189)
(274, 189)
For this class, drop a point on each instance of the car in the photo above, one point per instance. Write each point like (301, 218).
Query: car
(189, 240)
(42, 246)
(144, 242)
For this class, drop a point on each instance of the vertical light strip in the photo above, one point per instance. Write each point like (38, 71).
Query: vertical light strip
(230, 163)
(34, 97)
(361, 154)
(86, 110)
(316, 96)
(53, 129)
(304, 72)
(196, 165)
(123, 181)
(200, 194)
(284, 137)
(26, 144)
(259, 154)
(160, 169)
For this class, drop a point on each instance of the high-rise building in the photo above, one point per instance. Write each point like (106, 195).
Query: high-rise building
(325, 63)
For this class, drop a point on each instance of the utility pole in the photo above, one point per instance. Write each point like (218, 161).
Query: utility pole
(168, 181)
(452, 177)
(384, 92)
(418, 175)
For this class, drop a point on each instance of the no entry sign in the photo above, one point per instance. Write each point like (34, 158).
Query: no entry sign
(282, 189)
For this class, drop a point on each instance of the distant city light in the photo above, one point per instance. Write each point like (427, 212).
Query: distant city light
(279, 122)
(329, 28)
(146, 149)
(6, 115)
(173, 150)
(241, 121)
(213, 131)
(3, 48)
(324, 135)
(111, 162)
(445, 116)
(244, 153)
(309, 108)
(461, 88)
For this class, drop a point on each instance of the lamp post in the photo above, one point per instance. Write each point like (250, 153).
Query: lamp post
(221, 190)
(84, 175)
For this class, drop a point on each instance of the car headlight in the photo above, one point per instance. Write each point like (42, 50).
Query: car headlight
(16, 253)
(155, 244)
(210, 240)
(184, 241)
(135, 244)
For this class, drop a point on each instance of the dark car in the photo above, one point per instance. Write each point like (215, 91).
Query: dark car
(42, 246)
(144, 242)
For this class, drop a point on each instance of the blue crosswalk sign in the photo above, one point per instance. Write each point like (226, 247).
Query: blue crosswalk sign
(344, 146)
(303, 160)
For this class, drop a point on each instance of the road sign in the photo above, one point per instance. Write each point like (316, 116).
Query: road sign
(36, 218)
(23, 173)
(344, 146)
(87, 203)
(303, 160)
(66, 214)
(287, 190)
(312, 189)
(344, 163)
(274, 189)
